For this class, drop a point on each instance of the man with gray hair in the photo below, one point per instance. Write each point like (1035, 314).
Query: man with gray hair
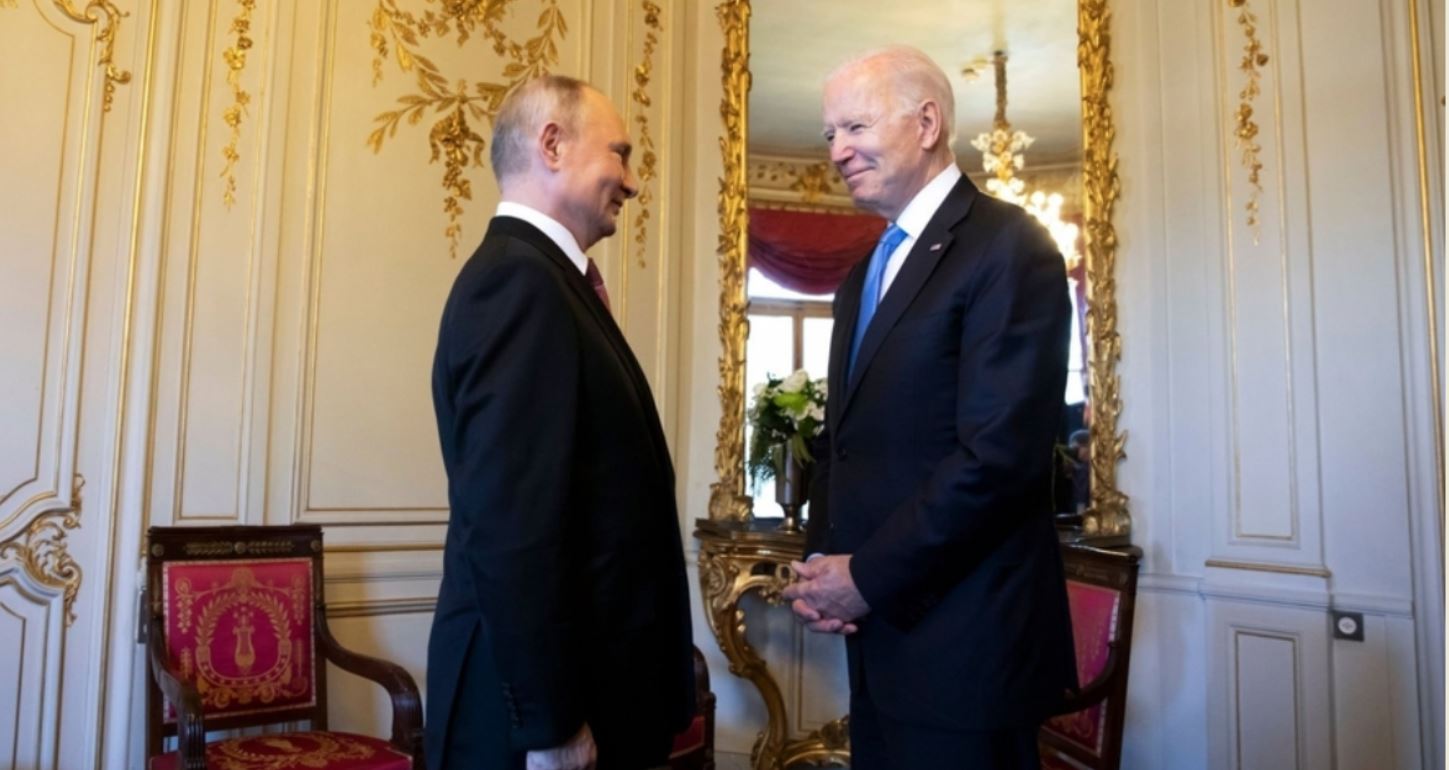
(931, 530)
(561, 639)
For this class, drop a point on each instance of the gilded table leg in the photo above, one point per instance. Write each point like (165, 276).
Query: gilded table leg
(725, 578)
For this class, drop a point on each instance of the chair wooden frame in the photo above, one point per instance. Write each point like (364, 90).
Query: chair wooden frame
(236, 543)
(1116, 569)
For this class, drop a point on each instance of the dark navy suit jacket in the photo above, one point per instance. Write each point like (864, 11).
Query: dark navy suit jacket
(564, 597)
(935, 472)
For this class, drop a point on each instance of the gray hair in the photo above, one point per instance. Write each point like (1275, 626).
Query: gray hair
(551, 98)
(914, 78)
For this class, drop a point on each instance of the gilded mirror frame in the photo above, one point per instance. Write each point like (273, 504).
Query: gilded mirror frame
(1106, 519)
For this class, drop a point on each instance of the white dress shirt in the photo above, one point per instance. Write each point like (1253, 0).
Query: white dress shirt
(914, 217)
(550, 227)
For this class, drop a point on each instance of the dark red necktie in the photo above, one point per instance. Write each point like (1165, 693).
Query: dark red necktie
(596, 280)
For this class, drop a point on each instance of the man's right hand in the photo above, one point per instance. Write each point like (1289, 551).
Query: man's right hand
(578, 754)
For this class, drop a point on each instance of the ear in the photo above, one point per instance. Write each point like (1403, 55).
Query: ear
(550, 145)
(930, 125)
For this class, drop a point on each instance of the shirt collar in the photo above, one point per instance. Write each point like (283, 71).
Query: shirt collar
(919, 211)
(556, 232)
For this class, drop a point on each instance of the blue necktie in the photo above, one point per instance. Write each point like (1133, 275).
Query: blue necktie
(870, 293)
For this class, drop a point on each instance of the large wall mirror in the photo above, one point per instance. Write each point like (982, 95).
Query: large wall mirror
(789, 232)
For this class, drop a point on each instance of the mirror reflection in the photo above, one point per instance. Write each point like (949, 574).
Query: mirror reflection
(1017, 135)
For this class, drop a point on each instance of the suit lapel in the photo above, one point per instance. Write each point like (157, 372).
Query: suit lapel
(585, 294)
(847, 309)
(934, 242)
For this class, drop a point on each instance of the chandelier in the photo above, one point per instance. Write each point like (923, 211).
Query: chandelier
(1002, 155)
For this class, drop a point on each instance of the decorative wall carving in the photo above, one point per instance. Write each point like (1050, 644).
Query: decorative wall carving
(40, 548)
(648, 157)
(235, 57)
(93, 13)
(1246, 132)
(452, 138)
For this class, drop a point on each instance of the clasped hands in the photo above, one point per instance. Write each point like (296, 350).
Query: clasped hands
(824, 596)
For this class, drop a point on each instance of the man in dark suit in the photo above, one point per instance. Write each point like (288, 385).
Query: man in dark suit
(562, 631)
(931, 534)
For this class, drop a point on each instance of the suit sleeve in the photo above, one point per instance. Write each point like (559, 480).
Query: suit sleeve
(1011, 370)
(817, 528)
(514, 363)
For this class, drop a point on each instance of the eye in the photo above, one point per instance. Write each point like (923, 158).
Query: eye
(829, 137)
(855, 128)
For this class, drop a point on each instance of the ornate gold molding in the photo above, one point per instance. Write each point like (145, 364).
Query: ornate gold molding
(1246, 132)
(41, 550)
(1107, 517)
(727, 498)
(452, 138)
(107, 37)
(649, 159)
(235, 56)
(736, 559)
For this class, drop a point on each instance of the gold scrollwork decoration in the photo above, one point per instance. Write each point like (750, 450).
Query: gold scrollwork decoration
(1246, 132)
(452, 139)
(727, 500)
(1106, 518)
(92, 14)
(41, 550)
(725, 577)
(649, 158)
(235, 56)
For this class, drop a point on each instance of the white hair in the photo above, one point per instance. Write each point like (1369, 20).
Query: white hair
(522, 115)
(914, 78)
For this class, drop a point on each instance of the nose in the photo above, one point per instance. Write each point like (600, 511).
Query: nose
(631, 184)
(840, 149)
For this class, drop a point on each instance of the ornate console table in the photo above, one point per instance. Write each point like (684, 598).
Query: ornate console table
(736, 558)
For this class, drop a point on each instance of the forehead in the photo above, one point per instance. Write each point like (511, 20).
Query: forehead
(597, 114)
(853, 93)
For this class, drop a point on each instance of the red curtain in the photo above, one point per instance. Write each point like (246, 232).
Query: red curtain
(810, 252)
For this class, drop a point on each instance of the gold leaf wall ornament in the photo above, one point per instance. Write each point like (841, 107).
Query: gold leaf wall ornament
(1246, 132)
(1107, 517)
(41, 550)
(648, 157)
(457, 106)
(235, 57)
(107, 37)
(727, 499)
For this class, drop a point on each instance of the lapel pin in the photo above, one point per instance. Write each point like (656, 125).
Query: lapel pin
(935, 247)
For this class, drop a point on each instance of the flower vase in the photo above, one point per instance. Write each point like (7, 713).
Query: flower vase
(792, 486)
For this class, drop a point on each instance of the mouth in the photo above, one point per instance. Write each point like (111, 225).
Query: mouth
(853, 177)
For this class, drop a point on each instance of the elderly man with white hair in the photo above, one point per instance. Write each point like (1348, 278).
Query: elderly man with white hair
(931, 531)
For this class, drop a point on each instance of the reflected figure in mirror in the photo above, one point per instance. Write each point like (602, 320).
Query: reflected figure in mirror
(931, 540)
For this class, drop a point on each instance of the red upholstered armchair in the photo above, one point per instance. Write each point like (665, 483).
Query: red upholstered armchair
(694, 748)
(1101, 589)
(237, 637)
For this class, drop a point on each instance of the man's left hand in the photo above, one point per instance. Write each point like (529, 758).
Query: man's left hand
(827, 590)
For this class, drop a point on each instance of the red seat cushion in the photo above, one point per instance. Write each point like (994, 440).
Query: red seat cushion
(1094, 612)
(297, 751)
(690, 740)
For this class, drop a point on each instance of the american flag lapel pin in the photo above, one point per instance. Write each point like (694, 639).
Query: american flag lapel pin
(935, 247)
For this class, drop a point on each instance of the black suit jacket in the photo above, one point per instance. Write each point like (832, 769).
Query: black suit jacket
(564, 597)
(935, 472)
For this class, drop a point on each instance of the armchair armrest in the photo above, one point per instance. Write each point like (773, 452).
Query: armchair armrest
(407, 708)
(190, 732)
(1095, 691)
